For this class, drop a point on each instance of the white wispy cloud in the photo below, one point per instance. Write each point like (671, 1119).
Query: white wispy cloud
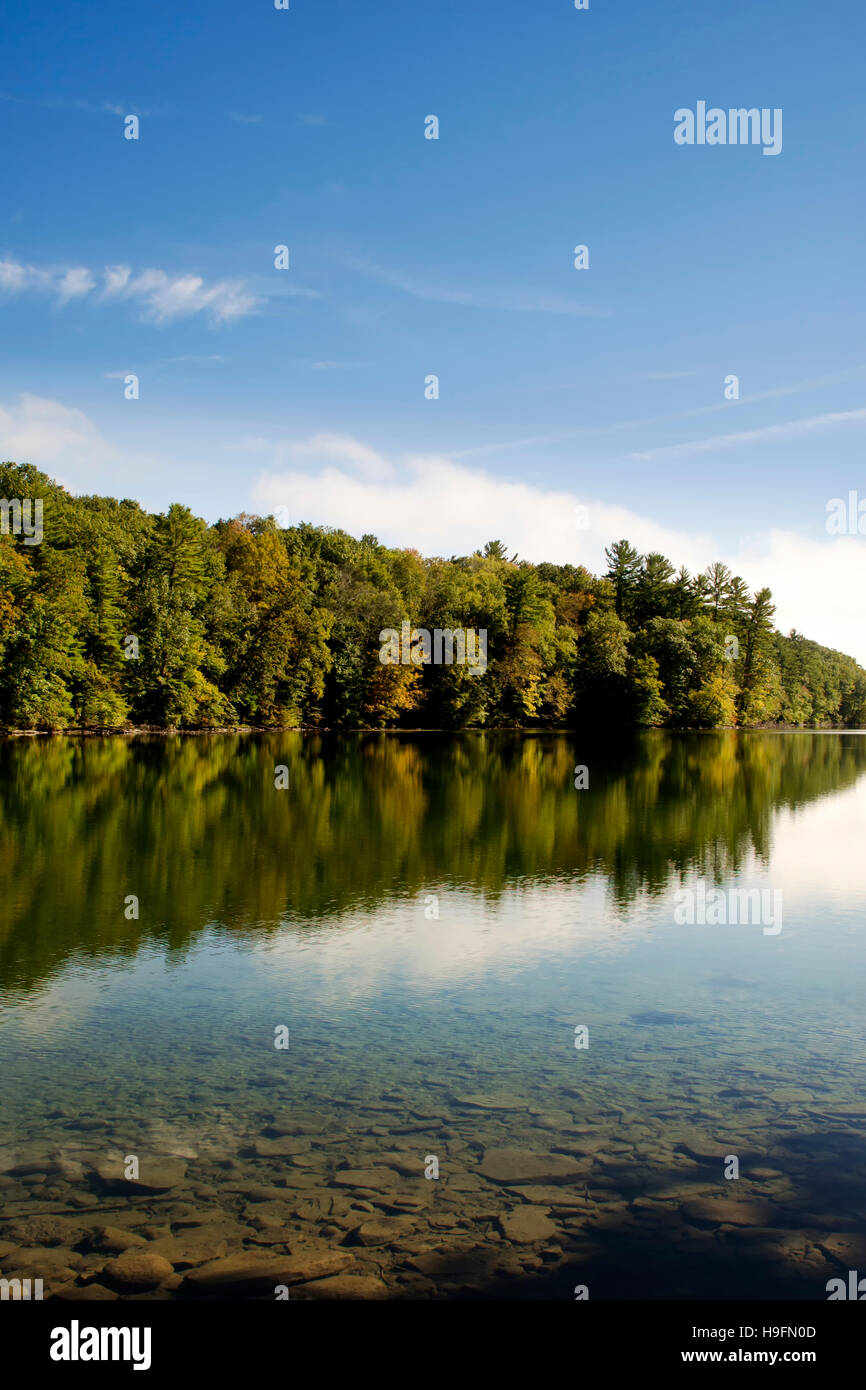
(789, 429)
(509, 300)
(196, 357)
(95, 108)
(166, 297)
(670, 417)
(442, 507)
(74, 284)
(161, 297)
(53, 436)
(15, 278)
(102, 108)
(69, 446)
(668, 376)
(333, 448)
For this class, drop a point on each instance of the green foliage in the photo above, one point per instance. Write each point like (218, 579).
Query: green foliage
(121, 617)
(623, 570)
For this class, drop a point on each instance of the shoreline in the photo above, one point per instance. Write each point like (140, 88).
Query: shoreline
(147, 731)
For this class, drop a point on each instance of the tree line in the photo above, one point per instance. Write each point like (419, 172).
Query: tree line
(121, 617)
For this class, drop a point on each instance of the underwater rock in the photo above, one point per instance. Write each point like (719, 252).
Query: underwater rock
(283, 1147)
(382, 1230)
(255, 1270)
(507, 1165)
(501, 1102)
(732, 1211)
(373, 1179)
(363, 1286)
(154, 1175)
(525, 1225)
(137, 1270)
(113, 1241)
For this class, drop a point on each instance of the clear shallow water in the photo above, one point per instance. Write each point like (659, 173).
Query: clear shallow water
(413, 1035)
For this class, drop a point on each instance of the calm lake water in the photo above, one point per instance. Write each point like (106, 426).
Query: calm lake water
(429, 919)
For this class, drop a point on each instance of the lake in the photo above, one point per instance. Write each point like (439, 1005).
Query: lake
(413, 1016)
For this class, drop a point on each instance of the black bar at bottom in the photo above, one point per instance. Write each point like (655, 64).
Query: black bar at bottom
(279, 1341)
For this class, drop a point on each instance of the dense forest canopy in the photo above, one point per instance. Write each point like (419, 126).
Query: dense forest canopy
(120, 617)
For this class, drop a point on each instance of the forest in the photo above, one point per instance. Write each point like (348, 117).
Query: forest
(119, 618)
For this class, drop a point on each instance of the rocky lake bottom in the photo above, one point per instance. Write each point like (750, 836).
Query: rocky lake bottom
(537, 1193)
(431, 927)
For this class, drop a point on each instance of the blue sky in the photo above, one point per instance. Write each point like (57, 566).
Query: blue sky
(304, 389)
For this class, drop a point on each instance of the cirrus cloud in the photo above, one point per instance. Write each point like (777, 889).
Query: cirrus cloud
(162, 297)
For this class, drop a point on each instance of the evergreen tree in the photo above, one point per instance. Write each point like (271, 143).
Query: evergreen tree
(624, 564)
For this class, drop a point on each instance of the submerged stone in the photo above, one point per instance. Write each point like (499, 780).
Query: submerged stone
(526, 1225)
(510, 1165)
(139, 1270)
(345, 1286)
(154, 1175)
(255, 1270)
